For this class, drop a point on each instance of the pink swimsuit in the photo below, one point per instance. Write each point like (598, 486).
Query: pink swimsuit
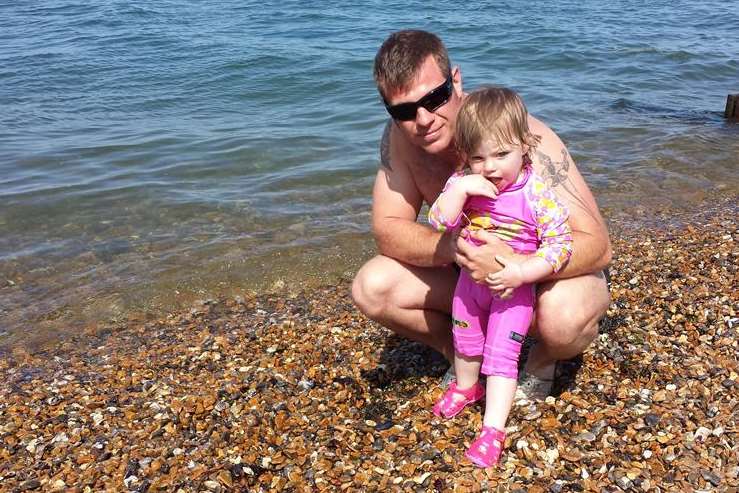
(528, 217)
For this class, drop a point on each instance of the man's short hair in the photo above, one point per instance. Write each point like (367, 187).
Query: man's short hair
(492, 113)
(400, 57)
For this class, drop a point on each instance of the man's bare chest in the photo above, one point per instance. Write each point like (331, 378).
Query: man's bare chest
(430, 177)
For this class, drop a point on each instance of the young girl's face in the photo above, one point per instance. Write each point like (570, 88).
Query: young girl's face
(499, 164)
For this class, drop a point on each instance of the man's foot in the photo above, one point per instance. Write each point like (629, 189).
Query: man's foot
(533, 388)
(448, 378)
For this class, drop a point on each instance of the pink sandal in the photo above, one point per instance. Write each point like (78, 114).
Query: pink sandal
(450, 403)
(485, 451)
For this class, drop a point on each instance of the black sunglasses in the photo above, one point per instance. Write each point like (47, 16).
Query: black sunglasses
(430, 102)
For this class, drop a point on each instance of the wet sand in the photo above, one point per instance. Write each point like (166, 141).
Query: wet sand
(299, 392)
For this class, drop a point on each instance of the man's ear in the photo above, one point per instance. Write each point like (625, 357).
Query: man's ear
(457, 79)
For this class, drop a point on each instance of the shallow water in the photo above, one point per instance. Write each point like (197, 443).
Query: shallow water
(152, 154)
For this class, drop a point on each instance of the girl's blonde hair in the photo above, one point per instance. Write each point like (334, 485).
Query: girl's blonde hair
(492, 113)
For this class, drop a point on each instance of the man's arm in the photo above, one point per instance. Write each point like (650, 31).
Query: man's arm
(396, 202)
(591, 245)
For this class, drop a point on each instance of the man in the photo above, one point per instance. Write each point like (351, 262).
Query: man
(409, 286)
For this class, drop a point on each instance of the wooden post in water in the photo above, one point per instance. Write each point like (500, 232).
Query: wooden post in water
(732, 107)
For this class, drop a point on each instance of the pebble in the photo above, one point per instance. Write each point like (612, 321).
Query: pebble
(556, 487)
(31, 484)
(58, 485)
(651, 420)
(300, 392)
(551, 455)
(711, 477)
(585, 436)
(702, 433)
(422, 479)
(385, 425)
(624, 482)
(212, 485)
(306, 384)
(130, 480)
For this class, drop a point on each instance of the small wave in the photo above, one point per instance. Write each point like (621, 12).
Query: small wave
(672, 55)
(625, 105)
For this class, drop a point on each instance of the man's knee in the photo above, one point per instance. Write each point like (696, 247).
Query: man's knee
(565, 318)
(371, 289)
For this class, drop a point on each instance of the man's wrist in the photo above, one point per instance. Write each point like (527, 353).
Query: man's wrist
(446, 248)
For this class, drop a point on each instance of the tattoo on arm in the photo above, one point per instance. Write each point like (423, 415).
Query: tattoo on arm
(385, 146)
(556, 174)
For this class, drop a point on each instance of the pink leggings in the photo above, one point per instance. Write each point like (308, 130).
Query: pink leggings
(488, 326)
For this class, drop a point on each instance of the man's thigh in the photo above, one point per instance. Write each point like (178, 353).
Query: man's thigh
(572, 305)
(408, 286)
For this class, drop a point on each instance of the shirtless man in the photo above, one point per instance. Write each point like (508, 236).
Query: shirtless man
(409, 286)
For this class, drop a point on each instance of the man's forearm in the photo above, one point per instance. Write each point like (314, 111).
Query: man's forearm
(590, 253)
(413, 243)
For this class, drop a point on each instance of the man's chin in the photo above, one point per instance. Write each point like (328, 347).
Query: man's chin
(434, 147)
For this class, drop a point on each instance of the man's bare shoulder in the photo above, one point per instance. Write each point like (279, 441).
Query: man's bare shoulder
(551, 159)
(395, 149)
(554, 164)
(385, 159)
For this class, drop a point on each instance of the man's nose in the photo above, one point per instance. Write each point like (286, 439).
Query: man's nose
(424, 117)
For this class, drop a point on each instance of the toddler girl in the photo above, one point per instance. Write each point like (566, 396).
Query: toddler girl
(502, 195)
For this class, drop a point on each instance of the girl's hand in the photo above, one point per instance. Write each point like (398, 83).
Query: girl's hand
(507, 279)
(478, 185)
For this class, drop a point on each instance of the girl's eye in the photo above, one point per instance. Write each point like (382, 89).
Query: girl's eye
(503, 153)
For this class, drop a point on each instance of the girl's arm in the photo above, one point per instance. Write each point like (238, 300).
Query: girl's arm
(513, 274)
(446, 211)
(555, 242)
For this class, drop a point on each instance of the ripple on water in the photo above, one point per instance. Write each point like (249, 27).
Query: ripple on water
(149, 150)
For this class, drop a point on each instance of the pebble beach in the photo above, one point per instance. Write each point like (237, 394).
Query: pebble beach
(297, 391)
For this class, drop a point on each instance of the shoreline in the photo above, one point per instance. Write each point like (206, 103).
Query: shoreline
(85, 309)
(298, 391)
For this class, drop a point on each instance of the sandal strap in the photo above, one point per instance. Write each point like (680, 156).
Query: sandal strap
(468, 393)
(494, 433)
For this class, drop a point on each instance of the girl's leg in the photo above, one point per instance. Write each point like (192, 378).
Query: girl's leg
(467, 369)
(468, 320)
(468, 325)
(498, 405)
(507, 326)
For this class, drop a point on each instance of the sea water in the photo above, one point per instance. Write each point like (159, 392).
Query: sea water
(156, 152)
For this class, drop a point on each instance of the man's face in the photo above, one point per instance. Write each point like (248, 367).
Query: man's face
(433, 131)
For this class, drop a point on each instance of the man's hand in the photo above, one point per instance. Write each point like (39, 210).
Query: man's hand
(506, 280)
(480, 261)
